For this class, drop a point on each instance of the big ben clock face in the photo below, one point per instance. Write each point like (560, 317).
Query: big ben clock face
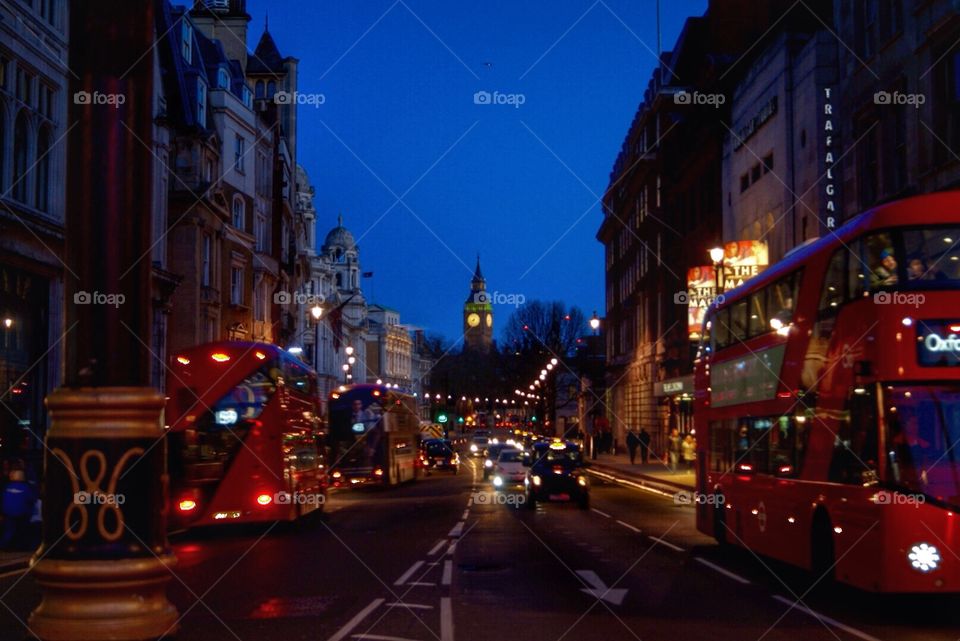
(489, 320)
(473, 320)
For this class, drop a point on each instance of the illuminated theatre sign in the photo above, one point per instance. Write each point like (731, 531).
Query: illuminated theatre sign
(742, 260)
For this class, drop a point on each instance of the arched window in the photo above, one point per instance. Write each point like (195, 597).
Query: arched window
(42, 185)
(271, 88)
(20, 158)
(239, 212)
(259, 88)
(339, 280)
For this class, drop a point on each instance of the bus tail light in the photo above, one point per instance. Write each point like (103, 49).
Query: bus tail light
(785, 470)
(220, 357)
(183, 360)
(336, 474)
(187, 505)
(745, 468)
(264, 499)
(378, 472)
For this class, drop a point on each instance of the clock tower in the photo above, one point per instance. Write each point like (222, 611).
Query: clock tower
(478, 315)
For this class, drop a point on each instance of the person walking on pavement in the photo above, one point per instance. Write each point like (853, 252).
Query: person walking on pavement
(18, 500)
(689, 451)
(633, 442)
(673, 449)
(644, 439)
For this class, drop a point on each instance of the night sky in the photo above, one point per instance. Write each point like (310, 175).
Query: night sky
(520, 184)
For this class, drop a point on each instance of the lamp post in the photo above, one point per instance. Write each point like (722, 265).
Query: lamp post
(717, 256)
(595, 323)
(104, 561)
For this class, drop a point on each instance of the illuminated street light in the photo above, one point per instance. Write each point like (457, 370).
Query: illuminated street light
(345, 367)
(352, 360)
(316, 311)
(554, 361)
(8, 322)
(349, 350)
(716, 255)
(595, 321)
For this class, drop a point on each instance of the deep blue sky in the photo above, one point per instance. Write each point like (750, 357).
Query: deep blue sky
(398, 99)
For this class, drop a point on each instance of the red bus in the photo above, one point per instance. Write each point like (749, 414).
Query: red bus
(374, 435)
(245, 441)
(828, 404)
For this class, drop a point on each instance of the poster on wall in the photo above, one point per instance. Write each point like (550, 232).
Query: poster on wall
(701, 290)
(742, 260)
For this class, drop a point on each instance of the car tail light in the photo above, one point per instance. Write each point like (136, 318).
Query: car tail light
(378, 472)
(264, 499)
(336, 474)
(558, 469)
(187, 505)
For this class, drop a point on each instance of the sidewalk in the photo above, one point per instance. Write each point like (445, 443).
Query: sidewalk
(654, 473)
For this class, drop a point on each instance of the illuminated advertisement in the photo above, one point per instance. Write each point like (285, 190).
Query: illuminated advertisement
(742, 260)
(701, 290)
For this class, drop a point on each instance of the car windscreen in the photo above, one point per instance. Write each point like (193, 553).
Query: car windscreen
(510, 456)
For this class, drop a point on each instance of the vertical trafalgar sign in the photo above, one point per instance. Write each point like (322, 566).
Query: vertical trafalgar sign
(828, 204)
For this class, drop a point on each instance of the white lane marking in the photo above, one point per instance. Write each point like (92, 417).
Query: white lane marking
(600, 589)
(466, 513)
(355, 621)
(457, 529)
(413, 606)
(409, 573)
(13, 573)
(436, 548)
(380, 637)
(433, 564)
(593, 509)
(833, 622)
(447, 573)
(446, 619)
(628, 526)
(670, 545)
(638, 486)
(725, 572)
(421, 584)
(452, 548)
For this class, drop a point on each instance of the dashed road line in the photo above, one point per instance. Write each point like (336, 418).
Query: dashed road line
(601, 513)
(447, 573)
(452, 548)
(436, 548)
(409, 573)
(446, 619)
(466, 513)
(421, 584)
(670, 545)
(628, 526)
(842, 626)
(355, 621)
(412, 606)
(457, 529)
(725, 572)
(381, 637)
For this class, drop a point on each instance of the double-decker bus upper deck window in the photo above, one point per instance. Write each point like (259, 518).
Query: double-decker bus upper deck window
(932, 255)
(832, 296)
(781, 301)
(880, 258)
(757, 311)
(738, 321)
(721, 327)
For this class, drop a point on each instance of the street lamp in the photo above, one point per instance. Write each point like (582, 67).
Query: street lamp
(595, 322)
(716, 255)
(349, 350)
(316, 311)
(8, 322)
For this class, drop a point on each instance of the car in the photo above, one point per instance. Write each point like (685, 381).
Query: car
(490, 457)
(509, 469)
(556, 473)
(438, 454)
(478, 445)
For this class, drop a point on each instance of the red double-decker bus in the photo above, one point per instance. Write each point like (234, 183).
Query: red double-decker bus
(245, 440)
(828, 404)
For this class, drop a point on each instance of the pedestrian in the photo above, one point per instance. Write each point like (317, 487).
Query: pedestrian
(673, 449)
(644, 439)
(18, 502)
(689, 451)
(633, 442)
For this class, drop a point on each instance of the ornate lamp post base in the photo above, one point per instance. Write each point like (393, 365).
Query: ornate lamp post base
(122, 600)
(104, 563)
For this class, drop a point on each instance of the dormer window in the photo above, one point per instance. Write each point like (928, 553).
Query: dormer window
(247, 97)
(186, 37)
(201, 103)
(223, 79)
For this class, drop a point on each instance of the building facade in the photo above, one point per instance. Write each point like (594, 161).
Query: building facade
(34, 93)
(389, 348)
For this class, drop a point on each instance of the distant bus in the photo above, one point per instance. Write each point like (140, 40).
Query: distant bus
(828, 404)
(245, 439)
(374, 436)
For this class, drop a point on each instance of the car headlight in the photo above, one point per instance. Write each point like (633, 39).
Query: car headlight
(536, 480)
(582, 480)
(924, 557)
(473, 447)
(497, 481)
(488, 463)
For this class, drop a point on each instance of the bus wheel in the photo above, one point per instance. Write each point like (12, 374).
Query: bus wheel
(719, 520)
(822, 556)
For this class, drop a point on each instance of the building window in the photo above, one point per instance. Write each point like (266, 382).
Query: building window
(206, 260)
(865, 21)
(260, 232)
(271, 88)
(42, 185)
(744, 182)
(20, 158)
(236, 285)
(259, 89)
(223, 79)
(768, 163)
(239, 208)
(946, 103)
(48, 11)
(4, 63)
(239, 153)
(186, 40)
(258, 303)
(755, 173)
(201, 103)
(24, 85)
(247, 97)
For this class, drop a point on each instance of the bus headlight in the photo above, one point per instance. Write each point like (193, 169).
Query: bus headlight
(536, 480)
(497, 481)
(924, 557)
(473, 447)
(488, 463)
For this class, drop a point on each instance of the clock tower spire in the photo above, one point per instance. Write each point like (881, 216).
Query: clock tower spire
(478, 314)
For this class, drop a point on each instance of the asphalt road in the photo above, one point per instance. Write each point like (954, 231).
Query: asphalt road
(446, 559)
